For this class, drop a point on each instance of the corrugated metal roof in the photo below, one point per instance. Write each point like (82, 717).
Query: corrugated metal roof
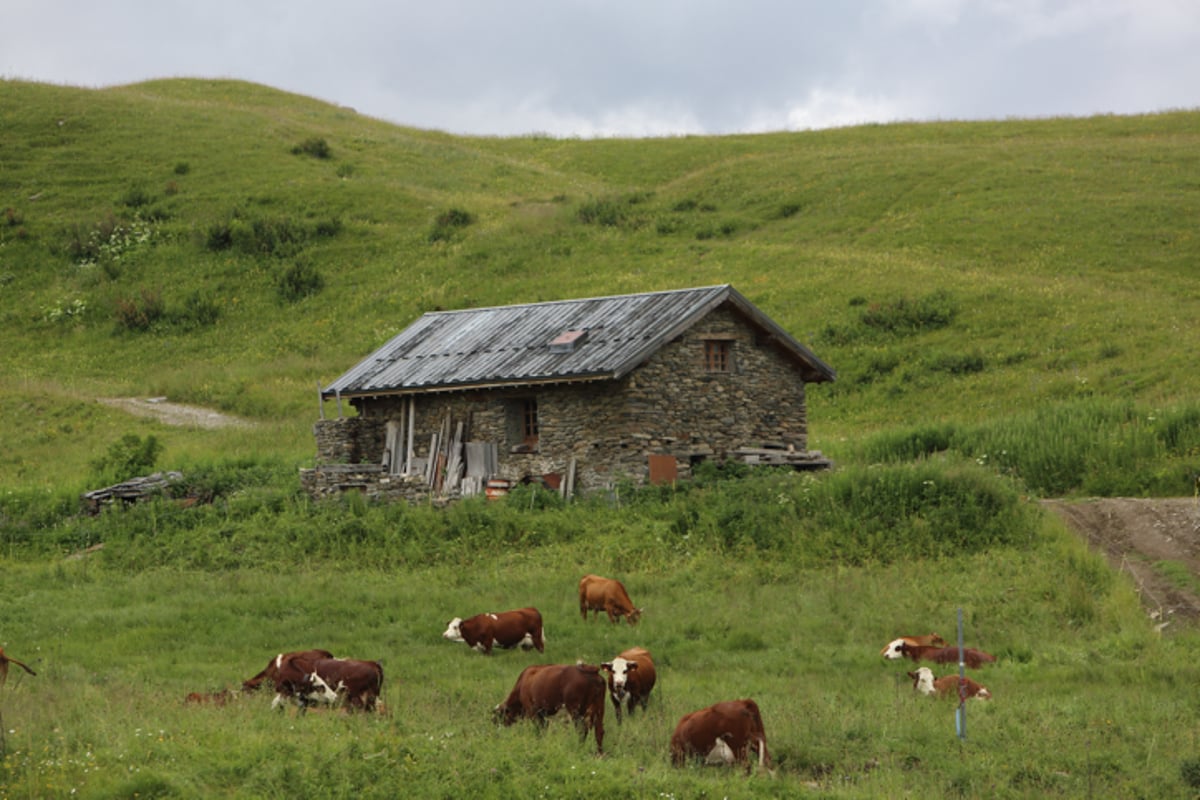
(510, 344)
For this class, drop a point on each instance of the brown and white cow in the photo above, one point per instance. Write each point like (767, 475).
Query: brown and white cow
(311, 677)
(522, 627)
(542, 690)
(347, 682)
(892, 650)
(947, 685)
(723, 733)
(631, 676)
(271, 671)
(598, 594)
(947, 655)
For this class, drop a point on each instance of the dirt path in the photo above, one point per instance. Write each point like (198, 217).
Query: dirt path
(1137, 535)
(175, 413)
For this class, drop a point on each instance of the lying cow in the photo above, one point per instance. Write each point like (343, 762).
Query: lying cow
(522, 627)
(947, 686)
(631, 676)
(598, 594)
(723, 733)
(271, 671)
(947, 655)
(542, 689)
(892, 650)
(345, 682)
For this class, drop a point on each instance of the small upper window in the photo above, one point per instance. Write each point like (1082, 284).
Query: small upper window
(529, 421)
(716, 355)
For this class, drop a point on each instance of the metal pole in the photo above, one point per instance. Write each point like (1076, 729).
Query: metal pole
(960, 715)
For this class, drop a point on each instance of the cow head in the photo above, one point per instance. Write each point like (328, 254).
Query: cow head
(505, 713)
(634, 615)
(894, 649)
(619, 670)
(922, 679)
(454, 630)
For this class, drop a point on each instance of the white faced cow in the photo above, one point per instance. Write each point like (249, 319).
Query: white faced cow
(631, 676)
(520, 628)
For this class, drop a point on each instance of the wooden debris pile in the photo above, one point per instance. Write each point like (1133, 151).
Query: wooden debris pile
(782, 457)
(134, 490)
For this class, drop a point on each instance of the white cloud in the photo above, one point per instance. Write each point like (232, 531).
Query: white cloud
(824, 108)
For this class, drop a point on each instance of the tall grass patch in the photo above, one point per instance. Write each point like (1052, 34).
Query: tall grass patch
(1090, 446)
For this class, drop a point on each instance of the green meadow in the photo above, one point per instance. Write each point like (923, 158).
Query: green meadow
(1010, 308)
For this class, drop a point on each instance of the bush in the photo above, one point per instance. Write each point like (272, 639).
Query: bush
(936, 310)
(447, 223)
(140, 313)
(200, 310)
(129, 457)
(219, 236)
(603, 211)
(299, 281)
(315, 146)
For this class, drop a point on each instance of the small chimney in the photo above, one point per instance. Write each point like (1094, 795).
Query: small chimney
(568, 341)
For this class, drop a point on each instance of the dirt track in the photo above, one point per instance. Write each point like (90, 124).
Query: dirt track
(174, 413)
(1135, 535)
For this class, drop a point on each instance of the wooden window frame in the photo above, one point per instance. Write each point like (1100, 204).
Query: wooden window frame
(718, 356)
(529, 420)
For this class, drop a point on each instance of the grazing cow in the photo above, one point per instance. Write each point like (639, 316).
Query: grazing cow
(271, 671)
(631, 676)
(947, 686)
(723, 733)
(542, 689)
(947, 655)
(507, 629)
(345, 682)
(598, 594)
(892, 650)
(5, 660)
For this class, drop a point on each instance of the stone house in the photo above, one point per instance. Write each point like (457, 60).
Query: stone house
(577, 395)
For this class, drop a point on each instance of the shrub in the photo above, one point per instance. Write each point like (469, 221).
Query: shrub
(299, 281)
(278, 236)
(315, 146)
(140, 313)
(936, 310)
(200, 310)
(136, 197)
(219, 236)
(128, 457)
(956, 363)
(447, 222)
(603, 211)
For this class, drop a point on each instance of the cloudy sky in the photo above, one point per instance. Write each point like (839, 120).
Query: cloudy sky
(596, 68)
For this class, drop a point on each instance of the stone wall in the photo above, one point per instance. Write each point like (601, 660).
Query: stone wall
(670, 405)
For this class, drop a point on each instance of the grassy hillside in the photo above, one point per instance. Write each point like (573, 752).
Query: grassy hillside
(226, 244)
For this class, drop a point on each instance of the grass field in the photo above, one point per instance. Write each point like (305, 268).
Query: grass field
(1095, 706)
